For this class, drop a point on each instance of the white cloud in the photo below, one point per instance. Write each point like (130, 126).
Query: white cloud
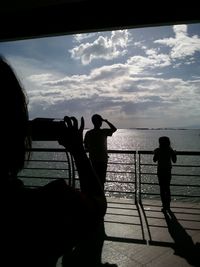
(40, 78)
(182, 45)
(82, 36)
(151, 61)
(102, 48)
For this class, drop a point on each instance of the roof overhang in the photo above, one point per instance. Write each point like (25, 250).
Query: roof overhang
(29, 19)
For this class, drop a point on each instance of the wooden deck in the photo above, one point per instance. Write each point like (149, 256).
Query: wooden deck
(142, 236)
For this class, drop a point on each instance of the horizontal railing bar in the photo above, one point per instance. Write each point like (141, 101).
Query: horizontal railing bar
(122, 151)
(173, 174)
(173, 195)
(183, 185)
(152, 194)
(187, 153)
(124, 192)
(189, 175)
(64, 150)
(64, 161)
(39, 149)
(120, 163)
(177, 165)
(192, 153)
(46, 160)
(41, 177)
(121, 182)
(45, 169)
(120, 172)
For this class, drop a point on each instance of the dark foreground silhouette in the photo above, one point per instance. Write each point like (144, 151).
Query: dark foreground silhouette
(40, 225)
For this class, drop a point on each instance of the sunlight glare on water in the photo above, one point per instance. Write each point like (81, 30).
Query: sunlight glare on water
(133, 139)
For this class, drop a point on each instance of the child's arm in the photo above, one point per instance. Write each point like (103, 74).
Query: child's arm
(173, 156)
(155, 156)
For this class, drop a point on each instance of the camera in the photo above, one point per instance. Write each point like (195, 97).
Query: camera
(46, 129)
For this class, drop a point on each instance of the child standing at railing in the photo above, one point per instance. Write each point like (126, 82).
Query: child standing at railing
(164, 155)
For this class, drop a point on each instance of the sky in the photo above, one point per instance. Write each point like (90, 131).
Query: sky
(140, 77)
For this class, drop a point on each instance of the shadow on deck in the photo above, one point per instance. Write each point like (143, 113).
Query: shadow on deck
(141, 235)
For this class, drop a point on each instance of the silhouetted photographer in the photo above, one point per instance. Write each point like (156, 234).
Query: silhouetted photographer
(40, 225)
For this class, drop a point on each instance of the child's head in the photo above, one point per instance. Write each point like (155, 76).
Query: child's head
(164, 142)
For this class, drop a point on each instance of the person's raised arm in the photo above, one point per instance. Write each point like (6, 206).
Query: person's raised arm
(72, 139)
(112, 127)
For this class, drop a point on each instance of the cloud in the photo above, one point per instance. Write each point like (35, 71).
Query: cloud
(82, 36)
(114, 88)
(181, 45)
(153, 60)
(126, 87)
(141, 86)
(102, 48)
(40, 78)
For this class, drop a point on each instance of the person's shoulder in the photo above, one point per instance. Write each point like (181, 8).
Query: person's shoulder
(88, 132)
(107, 131)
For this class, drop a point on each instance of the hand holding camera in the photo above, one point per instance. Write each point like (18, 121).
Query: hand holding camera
(71, 137)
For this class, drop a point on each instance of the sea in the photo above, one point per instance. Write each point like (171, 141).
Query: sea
(186, 171)
(147, 139)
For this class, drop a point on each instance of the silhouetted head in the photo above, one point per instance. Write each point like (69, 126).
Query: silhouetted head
(164, 142)
(14, 121)
(97, 120)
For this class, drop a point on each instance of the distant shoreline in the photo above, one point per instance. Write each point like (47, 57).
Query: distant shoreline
(162, 129)
(144, 128)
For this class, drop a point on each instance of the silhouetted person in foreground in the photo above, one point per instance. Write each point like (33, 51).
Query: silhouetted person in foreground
(183, 243)
(96, 143)
(40, 225)
(164, 155)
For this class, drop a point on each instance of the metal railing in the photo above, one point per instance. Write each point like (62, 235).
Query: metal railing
(130, 174)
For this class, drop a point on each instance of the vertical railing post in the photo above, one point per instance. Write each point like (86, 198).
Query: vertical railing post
(139, 180)
(135, 166)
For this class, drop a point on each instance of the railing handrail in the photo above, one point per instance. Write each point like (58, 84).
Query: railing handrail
(120, 151)
(178, 152)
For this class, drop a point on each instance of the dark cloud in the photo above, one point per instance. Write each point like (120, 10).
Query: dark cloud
(135, 107)
(77, 106)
